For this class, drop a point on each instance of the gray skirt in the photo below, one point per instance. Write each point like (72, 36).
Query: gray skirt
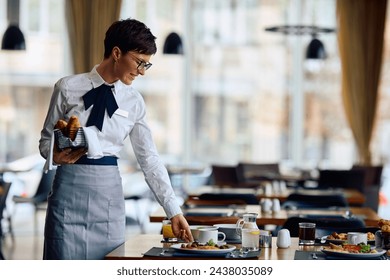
(85, 218)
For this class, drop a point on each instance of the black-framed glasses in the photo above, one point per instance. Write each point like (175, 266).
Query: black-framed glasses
(141, 65)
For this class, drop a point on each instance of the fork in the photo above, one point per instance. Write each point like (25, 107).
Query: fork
(163, 252)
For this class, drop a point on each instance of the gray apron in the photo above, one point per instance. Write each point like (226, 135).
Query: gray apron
(85, 218)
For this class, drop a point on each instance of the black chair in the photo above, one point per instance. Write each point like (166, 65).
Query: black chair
(39, 199)
(259, 171)
(225, 176)
(343, 179)
(327, 225)
(246, 198)
(312, 201)
(372, 184)
(4, 190)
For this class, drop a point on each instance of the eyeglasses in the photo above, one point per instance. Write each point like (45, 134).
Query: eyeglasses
(141, 65)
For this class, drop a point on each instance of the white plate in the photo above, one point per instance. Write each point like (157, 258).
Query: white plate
(340, 241)
(354, 255)
(204, 251)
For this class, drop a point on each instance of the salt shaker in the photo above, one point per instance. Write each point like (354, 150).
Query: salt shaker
(283, 240)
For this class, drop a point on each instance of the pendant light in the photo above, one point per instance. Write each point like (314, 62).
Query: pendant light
(173, 44)
(13, 38)
(315, 49)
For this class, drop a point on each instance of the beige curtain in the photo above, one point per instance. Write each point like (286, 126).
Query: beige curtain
(87, 22)
(361, 26)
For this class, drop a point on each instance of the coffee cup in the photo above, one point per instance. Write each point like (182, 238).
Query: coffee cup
(210, 235)
(275, 205)
(195, 230)
(356, 238)
(230, 231)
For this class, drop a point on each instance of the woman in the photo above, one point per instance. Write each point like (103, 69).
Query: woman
(86, 216)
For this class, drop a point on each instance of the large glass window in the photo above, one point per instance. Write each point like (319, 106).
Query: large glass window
(243, 82)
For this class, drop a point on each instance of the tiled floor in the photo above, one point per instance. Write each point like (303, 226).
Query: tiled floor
(28, 242)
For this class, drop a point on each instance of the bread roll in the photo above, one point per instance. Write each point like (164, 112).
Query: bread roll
(72, 127)
(61, 125)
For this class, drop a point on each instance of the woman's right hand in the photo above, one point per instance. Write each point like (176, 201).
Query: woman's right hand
(68, 155)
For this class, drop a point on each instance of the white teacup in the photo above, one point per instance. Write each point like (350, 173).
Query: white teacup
(207, 234)
(357, 237)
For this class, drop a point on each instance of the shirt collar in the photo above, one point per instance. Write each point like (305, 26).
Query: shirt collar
(97, 80)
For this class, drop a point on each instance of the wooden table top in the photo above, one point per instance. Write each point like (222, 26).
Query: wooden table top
(210, 216)
(354, 197)
(135, 247)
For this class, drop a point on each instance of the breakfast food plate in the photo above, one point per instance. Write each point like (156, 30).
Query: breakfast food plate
(345, 254)
(339, 238)
(341, 241)
(216, 251)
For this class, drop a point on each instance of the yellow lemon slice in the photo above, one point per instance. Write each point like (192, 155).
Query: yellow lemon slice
(255, 232)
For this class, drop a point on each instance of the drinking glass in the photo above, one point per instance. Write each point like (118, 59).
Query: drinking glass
(307, 233)
(167, 232)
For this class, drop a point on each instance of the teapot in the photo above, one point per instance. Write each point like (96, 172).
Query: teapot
(248, 220)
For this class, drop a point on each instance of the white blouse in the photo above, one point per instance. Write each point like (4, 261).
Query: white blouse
(128, 119)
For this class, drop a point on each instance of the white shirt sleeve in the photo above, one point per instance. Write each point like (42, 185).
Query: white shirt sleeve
(156, 174)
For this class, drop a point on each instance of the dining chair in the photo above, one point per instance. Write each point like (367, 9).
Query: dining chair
(343, 179)
(39, 199)
(372, 184)
(259, 171)
(4, 191)
(224, 176)
(247, 198)
(308, 201)
(194, 202)
(326, 225)
(253, 174)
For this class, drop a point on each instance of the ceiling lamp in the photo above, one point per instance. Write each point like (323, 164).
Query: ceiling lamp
(13, 38)
(173, 44)
(316, 49)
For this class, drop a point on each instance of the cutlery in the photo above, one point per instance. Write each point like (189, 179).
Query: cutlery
(163, 252)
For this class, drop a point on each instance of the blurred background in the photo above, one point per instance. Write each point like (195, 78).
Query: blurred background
(235, 92)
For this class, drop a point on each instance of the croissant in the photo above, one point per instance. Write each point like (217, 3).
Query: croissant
(72, 127)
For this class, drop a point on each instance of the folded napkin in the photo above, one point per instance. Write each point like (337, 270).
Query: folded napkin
(85, 137)
(172, 253)
(318, 255)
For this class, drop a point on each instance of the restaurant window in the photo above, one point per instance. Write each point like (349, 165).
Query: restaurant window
(27, 77)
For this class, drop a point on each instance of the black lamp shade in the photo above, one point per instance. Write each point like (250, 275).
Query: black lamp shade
(315, 50)
(173, 44)
(13, 39)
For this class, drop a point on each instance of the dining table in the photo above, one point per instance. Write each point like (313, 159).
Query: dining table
(136, 247)
(230, 214)
(353, 196)
(152, 247)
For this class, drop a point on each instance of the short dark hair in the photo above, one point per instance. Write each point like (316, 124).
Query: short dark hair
(129, 35)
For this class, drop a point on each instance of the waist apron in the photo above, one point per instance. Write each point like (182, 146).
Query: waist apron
(85, 218)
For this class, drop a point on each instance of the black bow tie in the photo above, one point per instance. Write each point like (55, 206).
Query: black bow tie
(101, 98)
